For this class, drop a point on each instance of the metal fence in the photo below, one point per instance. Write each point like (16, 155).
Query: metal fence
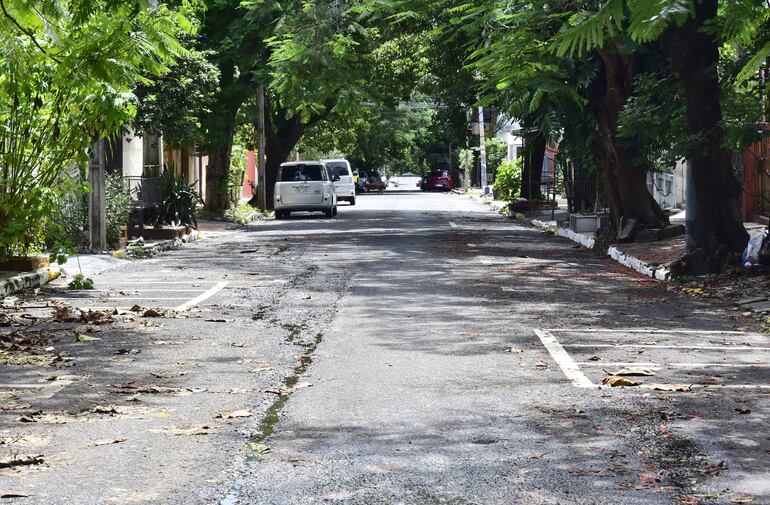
(145, 194)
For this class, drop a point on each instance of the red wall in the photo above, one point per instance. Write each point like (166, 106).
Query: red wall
(251, 175)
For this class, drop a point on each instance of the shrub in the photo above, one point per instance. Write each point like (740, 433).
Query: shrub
(179, 201)
(508, 181)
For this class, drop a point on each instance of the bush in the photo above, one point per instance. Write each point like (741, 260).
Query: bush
(508, 181)
(179, 201)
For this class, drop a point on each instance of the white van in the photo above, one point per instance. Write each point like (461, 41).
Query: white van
(346, 189)
(304, 186)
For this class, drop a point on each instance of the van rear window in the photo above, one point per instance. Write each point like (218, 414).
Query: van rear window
(339, 169)
(294, 173)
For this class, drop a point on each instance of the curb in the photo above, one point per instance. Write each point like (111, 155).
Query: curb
(28, 280)
(655, 271)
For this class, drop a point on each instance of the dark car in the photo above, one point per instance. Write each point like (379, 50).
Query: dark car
(375, 183)
(437, 180)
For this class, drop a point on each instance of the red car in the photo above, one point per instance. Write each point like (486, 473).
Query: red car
(375, 183)
(437, 180)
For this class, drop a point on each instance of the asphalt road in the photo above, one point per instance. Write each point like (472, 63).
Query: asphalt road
(417, 349)
(417, 398)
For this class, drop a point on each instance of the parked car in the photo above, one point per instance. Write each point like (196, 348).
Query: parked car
(345, 187)
(305, 186)
(375, 183)
(437, 180)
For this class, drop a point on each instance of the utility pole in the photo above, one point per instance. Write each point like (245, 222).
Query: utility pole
(261, 179)
(482, 149)
(97, 204)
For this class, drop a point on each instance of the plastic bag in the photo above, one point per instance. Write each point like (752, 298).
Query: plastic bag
(764, 251)
(751, 253)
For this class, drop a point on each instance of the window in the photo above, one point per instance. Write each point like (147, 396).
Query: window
(338, 168)
(301, 173)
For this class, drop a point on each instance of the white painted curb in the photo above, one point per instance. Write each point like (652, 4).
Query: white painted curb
(658, 272)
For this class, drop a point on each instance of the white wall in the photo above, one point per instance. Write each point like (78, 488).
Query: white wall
(133, 155)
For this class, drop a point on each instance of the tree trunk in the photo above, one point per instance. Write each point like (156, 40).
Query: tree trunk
(624, 183)
(532, 168)
(695, 55)
(282, 133)
(217, 199)
(277, 148)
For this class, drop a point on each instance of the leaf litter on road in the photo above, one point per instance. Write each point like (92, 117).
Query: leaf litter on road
(619, 381)
(22, 460)
(232, 414)
(202, 429)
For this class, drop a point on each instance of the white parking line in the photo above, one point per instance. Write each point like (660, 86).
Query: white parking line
(203, 296)
(686, 347)
(452, 224)
(572, 371)
(679, 365)
(564, 360)
(643, 330)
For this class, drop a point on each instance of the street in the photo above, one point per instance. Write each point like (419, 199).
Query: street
(417, 349)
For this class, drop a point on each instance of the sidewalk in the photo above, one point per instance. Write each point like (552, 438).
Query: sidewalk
(91, 264)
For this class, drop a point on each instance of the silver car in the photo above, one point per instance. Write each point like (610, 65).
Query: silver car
(305, 186)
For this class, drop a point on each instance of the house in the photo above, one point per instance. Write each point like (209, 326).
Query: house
(668, 186)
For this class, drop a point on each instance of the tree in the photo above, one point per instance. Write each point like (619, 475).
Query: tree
(174, 104)
(692, 33)
(67, 72)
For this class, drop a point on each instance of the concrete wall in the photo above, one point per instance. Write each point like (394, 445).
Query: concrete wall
(133, 155)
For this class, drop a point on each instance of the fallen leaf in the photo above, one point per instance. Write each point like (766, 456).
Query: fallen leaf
(634, 372)
(85, 338)
(104, 409)
(541, 364)
(216, 320)
(21, 460)
(618, 381)
(136, 308)
(152, 313)
(257, 448)
(743, 411)
(741, 498)
(238, 344)
(515, 350)
(231, 414)
(12, 494)
(184, 431)
(682, 388)
(107, 441)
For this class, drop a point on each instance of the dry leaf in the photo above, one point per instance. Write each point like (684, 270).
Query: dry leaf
(21, 460)
(12, 494)
(618, 381)
(107, 441)
(257, 448)
(230, 414)
(515, 350)
(178, 430)
(152, 313)
(634, 371)
(683, 388)
(85, 338)
(741, 498)
(743, 411)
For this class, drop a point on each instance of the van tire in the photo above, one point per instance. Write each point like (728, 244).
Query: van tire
(328, 213)
(353, 201)
(334, 211)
